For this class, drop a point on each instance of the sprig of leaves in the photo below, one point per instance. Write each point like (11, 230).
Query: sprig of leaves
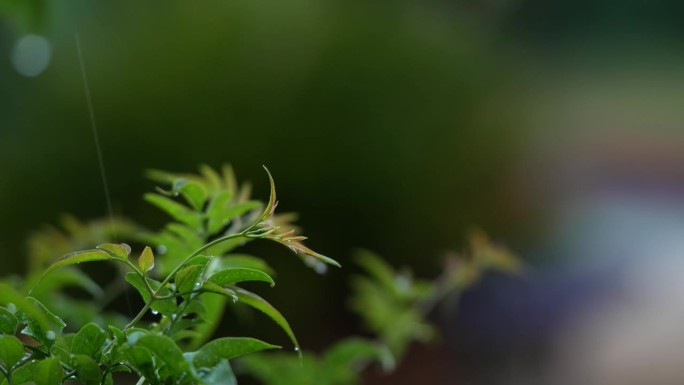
(186, 286)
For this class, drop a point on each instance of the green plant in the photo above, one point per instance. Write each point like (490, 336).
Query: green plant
(186, 287)
(394, 306)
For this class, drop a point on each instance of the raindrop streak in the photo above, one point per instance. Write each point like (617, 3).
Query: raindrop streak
(96, 137)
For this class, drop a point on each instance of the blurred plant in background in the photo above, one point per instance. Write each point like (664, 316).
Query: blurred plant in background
(394, 306)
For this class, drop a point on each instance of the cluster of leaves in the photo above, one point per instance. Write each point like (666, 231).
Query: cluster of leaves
(186, 290)
(394, 306)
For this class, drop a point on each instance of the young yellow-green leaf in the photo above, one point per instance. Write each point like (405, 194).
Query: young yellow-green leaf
(48, 372)
(11, 350)
(227, 348)
(87, 370)
(120, 250)
(8, 322)
(253, 300)
(146, 260)
(233, 275)
(89, 340)
(176, 210)
(270, 207)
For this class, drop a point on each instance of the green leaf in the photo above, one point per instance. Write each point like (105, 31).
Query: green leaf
(120, 250)
(76, 258)
(194, 193)
(189, 236)
(87, 370)
(228, 348)
(48, 372)
(214, 306)
(8, 322)
(146, 260)
(11, 351)
(43, 329)
(215, 221)
(211, 287)
(89, 340)
(377, 268)
(140, 358)
(188, 279)
(253, 300)
(212, 178)
(221, 374)
(165, 306)
(24, 373)
(176, 210)
(166, 351)
(26, 308)
(357, 352)
(230, 276)
(219, 218)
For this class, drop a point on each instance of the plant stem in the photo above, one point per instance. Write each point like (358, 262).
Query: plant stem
(177, 268)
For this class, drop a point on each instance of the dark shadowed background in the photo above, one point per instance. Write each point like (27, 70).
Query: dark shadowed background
(396, 126)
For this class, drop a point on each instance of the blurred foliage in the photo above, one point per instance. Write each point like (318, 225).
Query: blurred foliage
(395, 307)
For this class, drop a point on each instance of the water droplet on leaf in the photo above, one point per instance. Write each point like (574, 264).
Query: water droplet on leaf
(50, 335)
(321, 268)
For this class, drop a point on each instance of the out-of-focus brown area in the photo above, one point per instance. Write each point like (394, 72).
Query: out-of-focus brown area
(396, 126)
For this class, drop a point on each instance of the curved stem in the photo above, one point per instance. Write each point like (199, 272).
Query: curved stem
(173, 272)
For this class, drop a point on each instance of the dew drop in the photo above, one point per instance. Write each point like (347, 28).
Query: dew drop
(12, 307)
(127, 247)
(403, 282)
(155, 312)
(161, 249)
(321, 268)
(296, 349)
(235, 299)
(197, 285)
(50, 335)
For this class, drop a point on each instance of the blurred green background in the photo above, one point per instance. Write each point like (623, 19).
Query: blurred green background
(396, 126)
